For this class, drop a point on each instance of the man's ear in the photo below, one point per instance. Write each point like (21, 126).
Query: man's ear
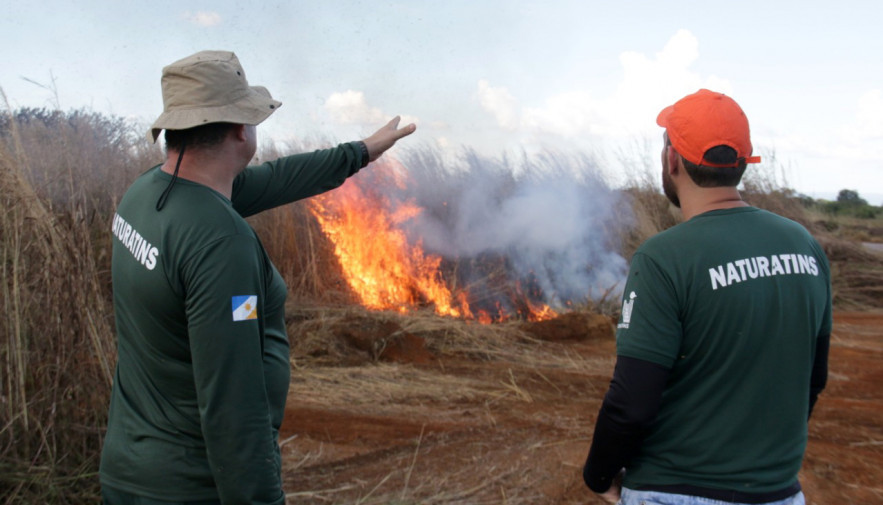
(674, 160)
(238, 132)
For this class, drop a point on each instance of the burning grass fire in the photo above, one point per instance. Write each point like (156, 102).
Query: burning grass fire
(387, 272)
(381, 267)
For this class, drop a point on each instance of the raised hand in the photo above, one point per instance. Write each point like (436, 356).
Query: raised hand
(386, 137)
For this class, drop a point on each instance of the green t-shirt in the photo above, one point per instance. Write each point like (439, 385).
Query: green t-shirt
(732, 301)
(203, 370)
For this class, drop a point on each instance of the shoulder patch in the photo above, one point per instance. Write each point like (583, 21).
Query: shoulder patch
(245, 307)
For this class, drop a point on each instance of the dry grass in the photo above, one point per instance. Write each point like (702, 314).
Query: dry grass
(58, 349)
(856, 275)
(333, 336)
(652, 213)
(765, 186)
(384, 385)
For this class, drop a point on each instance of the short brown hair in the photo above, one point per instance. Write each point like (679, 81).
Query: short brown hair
(199, 137)
(713, 176)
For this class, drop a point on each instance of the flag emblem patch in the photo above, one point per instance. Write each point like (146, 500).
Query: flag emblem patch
(245, 307)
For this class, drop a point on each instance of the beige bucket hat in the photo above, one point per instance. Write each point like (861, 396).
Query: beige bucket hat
(210, 87)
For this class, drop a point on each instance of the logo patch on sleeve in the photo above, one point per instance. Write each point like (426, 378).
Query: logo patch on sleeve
(627, 308)
(245, 307)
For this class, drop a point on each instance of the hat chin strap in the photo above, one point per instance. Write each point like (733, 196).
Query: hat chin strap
(165, 194)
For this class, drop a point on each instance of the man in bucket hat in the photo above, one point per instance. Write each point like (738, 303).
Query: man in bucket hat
(722, 344)
(203, 372)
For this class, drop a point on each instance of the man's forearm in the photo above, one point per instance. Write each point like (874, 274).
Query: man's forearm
(819, 377)
(629, 408)
(611, 450)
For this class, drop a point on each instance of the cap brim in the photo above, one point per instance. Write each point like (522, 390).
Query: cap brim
(662, 118)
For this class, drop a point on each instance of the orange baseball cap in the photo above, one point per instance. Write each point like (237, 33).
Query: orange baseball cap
(703, 120)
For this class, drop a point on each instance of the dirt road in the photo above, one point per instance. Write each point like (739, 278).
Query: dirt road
(394, 414)
(873, 246)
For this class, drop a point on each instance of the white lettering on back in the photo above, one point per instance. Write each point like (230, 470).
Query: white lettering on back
(758, 267)
(134, 242)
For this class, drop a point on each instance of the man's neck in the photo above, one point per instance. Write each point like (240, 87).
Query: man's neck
(212, 169)
(708, 199)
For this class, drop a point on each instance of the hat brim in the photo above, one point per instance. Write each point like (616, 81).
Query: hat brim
(662, 118)
(252, 109)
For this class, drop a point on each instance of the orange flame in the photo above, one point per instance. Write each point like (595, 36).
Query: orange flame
(540, 312)
(380, 266)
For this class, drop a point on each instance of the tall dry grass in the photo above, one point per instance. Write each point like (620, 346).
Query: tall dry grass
(60, 175)
(648, 211)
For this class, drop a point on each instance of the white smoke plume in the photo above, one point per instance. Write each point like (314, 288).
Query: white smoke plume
(550, 218)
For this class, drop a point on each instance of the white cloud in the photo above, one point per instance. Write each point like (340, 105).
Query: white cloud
(648, 84)
(500, 103)
(350, 108)
(862, 138)
(869, 119)
(567, 114)
(203, 18)
(834, 152)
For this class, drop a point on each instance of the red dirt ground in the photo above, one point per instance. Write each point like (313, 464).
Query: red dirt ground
(415, 420)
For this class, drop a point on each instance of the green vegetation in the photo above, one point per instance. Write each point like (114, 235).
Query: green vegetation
(61, 174)
(849, 216)
(849, 204)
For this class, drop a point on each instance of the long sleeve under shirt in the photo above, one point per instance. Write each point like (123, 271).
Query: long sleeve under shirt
(203, 368)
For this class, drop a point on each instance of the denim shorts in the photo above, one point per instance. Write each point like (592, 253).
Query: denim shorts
(632, 497)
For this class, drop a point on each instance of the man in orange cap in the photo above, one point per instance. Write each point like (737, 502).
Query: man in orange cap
(203, 371)
(722, 344)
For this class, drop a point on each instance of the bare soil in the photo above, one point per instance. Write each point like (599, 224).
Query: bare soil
(395, 412)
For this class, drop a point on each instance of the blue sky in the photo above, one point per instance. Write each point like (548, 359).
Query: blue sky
(491, 75)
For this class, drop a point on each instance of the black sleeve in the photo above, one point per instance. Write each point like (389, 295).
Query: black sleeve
(629, 408)
(819, 377)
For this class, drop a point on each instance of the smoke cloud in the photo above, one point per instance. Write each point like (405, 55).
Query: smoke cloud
(549, 219)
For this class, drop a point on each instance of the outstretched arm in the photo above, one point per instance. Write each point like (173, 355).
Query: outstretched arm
(386, 137)
(291, 178)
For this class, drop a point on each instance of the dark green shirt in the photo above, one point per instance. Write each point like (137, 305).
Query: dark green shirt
(203, 370)
(732, 301)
